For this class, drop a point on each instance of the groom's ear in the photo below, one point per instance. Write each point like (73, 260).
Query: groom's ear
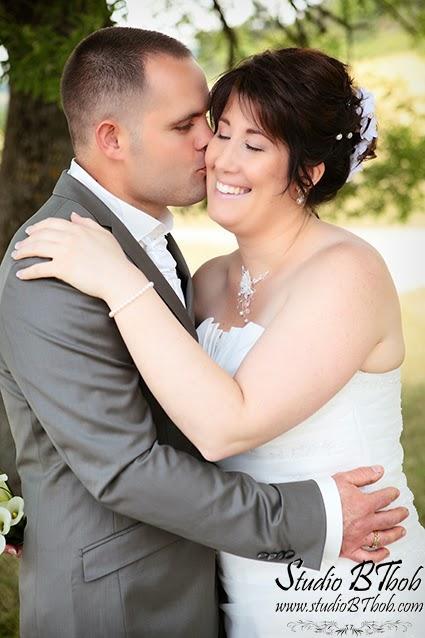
(109, 139)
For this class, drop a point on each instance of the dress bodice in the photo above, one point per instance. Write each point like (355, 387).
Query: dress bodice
(360, 425)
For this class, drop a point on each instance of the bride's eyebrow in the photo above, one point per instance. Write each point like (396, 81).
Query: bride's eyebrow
(251, 131)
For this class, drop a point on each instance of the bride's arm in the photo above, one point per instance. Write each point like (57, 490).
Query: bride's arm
(320, 338)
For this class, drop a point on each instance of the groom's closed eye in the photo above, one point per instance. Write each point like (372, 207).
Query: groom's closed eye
(184, 127)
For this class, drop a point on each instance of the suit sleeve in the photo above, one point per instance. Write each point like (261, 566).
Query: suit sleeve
(76, 374)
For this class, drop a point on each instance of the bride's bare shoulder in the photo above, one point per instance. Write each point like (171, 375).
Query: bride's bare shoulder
(344, 253)
(209, 283)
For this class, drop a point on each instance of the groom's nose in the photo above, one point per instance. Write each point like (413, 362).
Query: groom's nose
(204, 134)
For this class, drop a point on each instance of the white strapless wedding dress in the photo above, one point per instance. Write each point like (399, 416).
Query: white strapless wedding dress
(360, 425)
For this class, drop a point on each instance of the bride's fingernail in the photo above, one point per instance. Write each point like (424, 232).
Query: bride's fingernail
(13, 254)
(19, 274)
(28, 230)
(18, 243)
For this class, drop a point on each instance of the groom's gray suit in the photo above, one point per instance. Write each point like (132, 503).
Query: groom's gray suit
(122, 509)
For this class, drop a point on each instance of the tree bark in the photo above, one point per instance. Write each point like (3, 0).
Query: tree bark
(36, 149)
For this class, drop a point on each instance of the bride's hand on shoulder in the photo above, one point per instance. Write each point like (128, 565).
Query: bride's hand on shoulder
(81, 252)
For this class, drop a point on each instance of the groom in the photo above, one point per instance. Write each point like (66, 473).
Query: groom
(123, 513)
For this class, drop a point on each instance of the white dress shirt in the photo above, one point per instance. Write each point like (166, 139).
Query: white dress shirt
(150, 233)
(147, 230)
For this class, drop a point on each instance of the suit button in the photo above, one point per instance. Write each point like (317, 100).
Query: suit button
(272, 556)
(262, 555)
(286, 554)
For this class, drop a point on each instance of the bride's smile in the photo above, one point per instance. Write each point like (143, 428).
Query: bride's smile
(246, 183)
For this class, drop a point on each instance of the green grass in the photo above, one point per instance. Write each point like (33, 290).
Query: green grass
(413, 308)
(413, 398)
(9, 599)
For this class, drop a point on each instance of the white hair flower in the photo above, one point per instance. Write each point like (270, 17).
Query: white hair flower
(368, 130)
(2, 543)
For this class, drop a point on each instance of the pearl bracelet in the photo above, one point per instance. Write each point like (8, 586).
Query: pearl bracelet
(112, 314)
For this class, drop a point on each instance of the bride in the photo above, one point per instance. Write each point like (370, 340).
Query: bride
(299, 370)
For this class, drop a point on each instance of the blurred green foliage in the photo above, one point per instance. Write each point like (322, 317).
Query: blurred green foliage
(40, 37)
(393, 185)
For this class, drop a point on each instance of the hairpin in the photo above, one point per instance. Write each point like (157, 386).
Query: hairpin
(340, 136)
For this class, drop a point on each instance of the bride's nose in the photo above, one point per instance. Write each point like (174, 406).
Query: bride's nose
(227, 160)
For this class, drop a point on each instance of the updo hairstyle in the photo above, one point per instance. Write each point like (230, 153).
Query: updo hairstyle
(304, 99)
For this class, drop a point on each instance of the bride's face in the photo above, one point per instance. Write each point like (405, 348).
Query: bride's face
(246, 172)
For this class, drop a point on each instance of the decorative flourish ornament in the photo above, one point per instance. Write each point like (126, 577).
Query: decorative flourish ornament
(247, 291)
(331, 628)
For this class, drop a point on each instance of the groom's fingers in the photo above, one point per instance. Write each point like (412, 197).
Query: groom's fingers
(387, 519)
(375, 556)
(382, 498)
(362, 476)
(386, 536)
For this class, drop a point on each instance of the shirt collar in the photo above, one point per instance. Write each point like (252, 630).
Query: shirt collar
(141, 225)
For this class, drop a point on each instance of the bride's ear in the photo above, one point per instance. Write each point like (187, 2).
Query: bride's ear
(108, 138)
(316, 172)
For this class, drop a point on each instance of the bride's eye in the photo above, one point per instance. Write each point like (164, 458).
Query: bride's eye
(252, 148)
(221, 136)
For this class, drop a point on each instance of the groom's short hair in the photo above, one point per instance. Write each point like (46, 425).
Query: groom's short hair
(105, 69)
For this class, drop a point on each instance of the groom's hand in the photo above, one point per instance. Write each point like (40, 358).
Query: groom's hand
(362, 516)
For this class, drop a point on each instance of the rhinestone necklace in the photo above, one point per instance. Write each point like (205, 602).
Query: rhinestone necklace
(247, 284)
(247, 291)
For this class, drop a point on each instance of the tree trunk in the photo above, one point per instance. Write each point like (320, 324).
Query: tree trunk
(36, 138)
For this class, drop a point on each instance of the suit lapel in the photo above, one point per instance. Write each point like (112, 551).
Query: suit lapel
(70, 188)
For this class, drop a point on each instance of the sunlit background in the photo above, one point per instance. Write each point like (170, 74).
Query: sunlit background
(383, 41)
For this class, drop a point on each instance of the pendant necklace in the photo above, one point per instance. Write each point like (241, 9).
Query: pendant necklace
(247, 291)
(247, 284)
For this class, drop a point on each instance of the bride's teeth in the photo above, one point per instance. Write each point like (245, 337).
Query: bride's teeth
(230, 190)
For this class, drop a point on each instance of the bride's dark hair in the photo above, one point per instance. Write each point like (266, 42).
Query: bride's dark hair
(304, 99)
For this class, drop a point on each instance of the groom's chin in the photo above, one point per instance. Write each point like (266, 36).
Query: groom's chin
(196, 195)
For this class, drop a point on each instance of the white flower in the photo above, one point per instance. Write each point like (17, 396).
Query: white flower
(2, 543)
(5, 493)
(368, 130)
(16, 508)
(5, 521)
